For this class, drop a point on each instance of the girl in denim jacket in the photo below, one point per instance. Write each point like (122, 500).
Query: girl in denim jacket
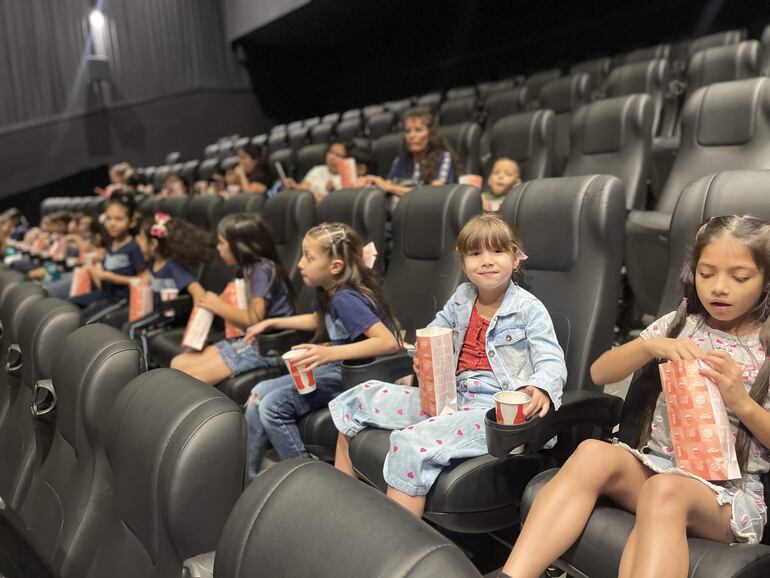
(503, 340)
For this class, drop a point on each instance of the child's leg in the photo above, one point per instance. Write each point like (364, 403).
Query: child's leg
(208, 365)
(342, 456)
(372, 403)
(257, 435)
(563, 506)
(280, 409)
(668, 506)
(420, 452)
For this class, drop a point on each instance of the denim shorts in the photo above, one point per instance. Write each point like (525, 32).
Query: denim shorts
(241, 357)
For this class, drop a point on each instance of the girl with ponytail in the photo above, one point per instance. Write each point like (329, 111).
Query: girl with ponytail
(723, 321)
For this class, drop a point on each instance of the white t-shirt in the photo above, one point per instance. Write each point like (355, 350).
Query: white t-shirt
(318, 177)
(747, 353)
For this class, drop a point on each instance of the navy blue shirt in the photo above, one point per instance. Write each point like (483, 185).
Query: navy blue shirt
(405, 170)
(265, 283)
(171, 276)
(350, 315)
(128, 261)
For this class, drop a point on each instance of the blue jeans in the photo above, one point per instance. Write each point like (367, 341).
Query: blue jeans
(280, 406)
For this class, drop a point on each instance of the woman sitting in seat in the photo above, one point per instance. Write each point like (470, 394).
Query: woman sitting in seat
(428, 159)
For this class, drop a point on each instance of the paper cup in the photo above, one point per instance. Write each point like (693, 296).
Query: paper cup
(169, 294)
(303, 379)
(509, 406)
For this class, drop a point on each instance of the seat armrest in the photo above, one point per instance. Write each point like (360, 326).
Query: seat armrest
(14, 538)
(578, 408)
(181, 305)
(200, 566)
(654, 222)
(279, 342)
(385, 368)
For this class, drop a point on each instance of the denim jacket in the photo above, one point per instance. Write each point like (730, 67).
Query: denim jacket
(521, 343)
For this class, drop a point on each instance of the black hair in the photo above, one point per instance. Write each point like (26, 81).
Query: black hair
(250, 242)
(180, 241)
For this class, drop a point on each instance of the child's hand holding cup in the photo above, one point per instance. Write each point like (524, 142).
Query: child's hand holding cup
(303, 378)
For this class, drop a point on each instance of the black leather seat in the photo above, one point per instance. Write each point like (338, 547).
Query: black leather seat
(689, 47)
(24, 438)
(349, 128)
(399, 107)
(90, 368)
(385, 150)
(459, 110)
(725, 126)
(260, 140)
(277, 140)
(241, 203)
(176, 451)
(564, 96)
(189, 172)
(528, 139)
(298, 136)
(321, 133)
(484, 89)
(765, 59)
(288, 159)
(572, 230)
(174, 206)
(203, 211)
(459, 92)
(332, 117)
(371, 110)
(503, 103)
(650, 77)
(149, 206)
(597, 68)
(656, 52)
(729, 192)
(465, 141)
(310, 156)
(13, 304)
(283, 504)
(613, 136)
(382, 123)
(423, 273)
(431, 101)
(160, 176)
(535, 82)
(207, 169)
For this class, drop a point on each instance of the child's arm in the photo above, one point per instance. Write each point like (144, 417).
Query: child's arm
(306, 322)
(617, 364)
(380, 341)
(727, 376)
(196, 291)
(549, 372)
(116, 279)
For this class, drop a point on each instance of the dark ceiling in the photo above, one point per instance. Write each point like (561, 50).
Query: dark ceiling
(335, 54)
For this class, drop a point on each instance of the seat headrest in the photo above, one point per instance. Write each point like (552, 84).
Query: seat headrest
(722, 64)
(513, 135)
(92, 365)
(559, 202)
(744, 192)
(566, 94)
(651, 77)
(177, 453)
(430, 219)
(717, 39)
(278, 529)
(381, 123)
(728, 111)
(45, 325)
(287, 215)
(14, 306)
(604, 123)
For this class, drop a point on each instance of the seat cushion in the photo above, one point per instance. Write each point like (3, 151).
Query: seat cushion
(598, 550)
(474, 495)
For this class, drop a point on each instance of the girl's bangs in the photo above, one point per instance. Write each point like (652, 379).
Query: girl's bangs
(492, 236)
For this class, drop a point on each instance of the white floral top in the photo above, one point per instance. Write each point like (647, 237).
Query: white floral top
(747, 353)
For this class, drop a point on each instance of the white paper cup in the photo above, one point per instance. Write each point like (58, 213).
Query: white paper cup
(509, 410)
(509, 406)
(169, 294)
(303, 379)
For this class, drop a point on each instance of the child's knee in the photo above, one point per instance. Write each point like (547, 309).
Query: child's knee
(178, 361)
(661, 493)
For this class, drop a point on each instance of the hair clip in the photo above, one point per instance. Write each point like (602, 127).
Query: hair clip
(159, 229)
(522, 255)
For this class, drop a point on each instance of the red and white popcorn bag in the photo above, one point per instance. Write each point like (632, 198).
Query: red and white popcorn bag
(81, 282)
(140, 300)
(235, 296)
(434, 352)
(347, 171)
(700, 429)
(198, 327)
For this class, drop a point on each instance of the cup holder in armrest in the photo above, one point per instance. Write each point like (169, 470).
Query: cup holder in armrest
(502, 439)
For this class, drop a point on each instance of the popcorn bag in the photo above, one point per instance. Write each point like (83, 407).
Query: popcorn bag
(438, 392)
(700, 430)
(348, 173)
(81, 282)
(235, 296)
(197, 329)
(140, 300)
